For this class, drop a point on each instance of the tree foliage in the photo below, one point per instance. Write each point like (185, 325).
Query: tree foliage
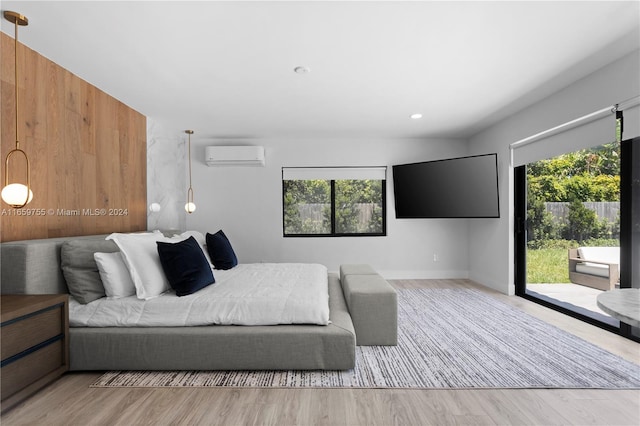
(307, 192)
(539, 222)
(585, 175)
(358, 206)
(582, 222)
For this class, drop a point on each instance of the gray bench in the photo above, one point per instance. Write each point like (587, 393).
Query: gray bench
(372, 303)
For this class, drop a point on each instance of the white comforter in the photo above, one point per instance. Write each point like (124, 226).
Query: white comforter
(249, 294)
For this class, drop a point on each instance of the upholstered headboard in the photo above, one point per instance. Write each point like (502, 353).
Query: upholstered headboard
(33, 266)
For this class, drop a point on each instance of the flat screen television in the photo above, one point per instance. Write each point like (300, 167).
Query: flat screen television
(465, 187)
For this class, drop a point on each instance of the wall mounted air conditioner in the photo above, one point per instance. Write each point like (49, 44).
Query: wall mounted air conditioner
(234, 155)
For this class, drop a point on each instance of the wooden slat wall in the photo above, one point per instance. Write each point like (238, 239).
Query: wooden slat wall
(87, 152)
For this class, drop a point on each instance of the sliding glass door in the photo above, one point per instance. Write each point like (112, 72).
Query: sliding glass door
(630, 224)
(577, 230)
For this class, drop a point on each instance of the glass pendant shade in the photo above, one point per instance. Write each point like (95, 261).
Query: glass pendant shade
(15, 195)
(190, 207)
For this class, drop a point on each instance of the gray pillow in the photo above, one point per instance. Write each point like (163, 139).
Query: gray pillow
(80, 269)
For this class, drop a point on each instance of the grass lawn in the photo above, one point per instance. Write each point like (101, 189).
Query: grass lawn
(547, 265)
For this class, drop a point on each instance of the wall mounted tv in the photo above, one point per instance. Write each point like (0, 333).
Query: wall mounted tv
(465, 187)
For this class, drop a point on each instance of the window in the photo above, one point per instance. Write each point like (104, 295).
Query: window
(334, 201)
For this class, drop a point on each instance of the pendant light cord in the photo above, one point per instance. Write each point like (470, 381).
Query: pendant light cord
(190, 206)
(9, 194)
(189, 153)
(15, 59)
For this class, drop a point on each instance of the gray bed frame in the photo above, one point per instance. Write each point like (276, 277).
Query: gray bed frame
(33, 267)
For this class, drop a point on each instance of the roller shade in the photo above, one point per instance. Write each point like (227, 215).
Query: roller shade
(334, 173)
(631, 123)
(591, 130)
(586, 135)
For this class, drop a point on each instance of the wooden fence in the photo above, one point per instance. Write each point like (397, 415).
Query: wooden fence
(609, 210)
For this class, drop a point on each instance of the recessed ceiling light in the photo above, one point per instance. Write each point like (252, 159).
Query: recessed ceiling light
(416, 116)
(302, 70)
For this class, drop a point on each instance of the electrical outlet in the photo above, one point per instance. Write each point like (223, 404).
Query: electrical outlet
(436, 258)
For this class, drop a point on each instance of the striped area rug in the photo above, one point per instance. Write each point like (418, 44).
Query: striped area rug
(448, 339)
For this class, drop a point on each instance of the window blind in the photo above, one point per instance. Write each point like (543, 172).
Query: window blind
(334, 173)
(631, 122)
(591, 130)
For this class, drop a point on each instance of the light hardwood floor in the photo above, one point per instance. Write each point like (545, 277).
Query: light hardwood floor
(69, 401)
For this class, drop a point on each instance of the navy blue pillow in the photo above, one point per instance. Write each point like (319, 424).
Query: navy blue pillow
(220, 251)
(185, 266)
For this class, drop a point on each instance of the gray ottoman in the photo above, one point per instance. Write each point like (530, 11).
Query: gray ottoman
(373, 305)
(356, 269)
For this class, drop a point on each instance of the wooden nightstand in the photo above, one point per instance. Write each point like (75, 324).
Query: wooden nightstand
(34, 338)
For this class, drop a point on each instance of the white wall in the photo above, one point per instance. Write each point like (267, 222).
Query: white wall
(491, 242)
(166, 182)
(246, 202)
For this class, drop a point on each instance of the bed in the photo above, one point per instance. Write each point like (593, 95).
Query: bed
(326, 341)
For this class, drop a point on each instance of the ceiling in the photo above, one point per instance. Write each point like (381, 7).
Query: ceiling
(226, 69)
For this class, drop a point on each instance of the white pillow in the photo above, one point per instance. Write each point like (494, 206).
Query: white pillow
(140, 254)
(114, 275)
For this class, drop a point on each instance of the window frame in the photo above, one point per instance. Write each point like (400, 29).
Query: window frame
(332, 183)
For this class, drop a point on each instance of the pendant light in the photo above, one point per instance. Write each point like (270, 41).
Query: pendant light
(16, 195)
(190, 207)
